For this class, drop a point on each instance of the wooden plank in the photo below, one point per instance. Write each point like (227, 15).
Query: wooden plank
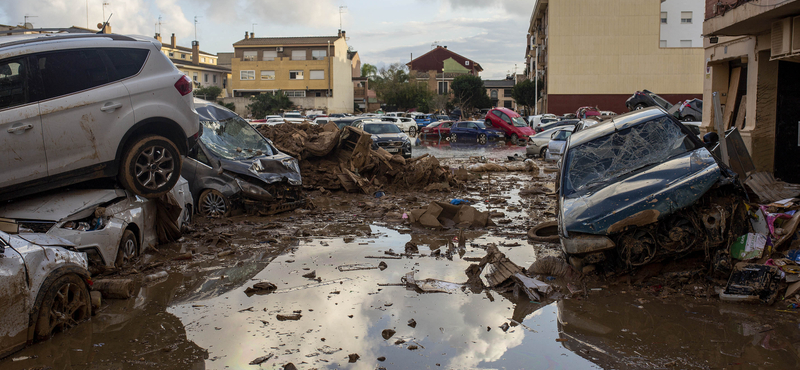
(733, 92)
(740, 114)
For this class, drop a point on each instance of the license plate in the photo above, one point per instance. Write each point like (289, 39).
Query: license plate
(392, 150)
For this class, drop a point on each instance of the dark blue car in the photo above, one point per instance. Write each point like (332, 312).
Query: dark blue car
(474, 132)
(641, 187)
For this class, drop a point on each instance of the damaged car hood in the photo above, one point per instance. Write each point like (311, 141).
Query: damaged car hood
(57, 206)
(271, 169)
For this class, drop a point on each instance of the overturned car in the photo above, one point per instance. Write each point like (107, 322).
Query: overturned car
(233, 167)
(641, 187)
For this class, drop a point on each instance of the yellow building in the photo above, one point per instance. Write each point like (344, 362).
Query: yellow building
(199, 65)
(753, 65)
(600, 52)
(315, 72)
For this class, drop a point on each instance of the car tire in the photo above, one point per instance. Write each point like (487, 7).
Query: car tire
(514, 139)
(688, 119)
(482, 139)
(639, 106)
(542, 152)
(127, 250)
(453, 138)
(66, 303)
(150, 167)
(213, 204)
(545, 232)
(412, 131)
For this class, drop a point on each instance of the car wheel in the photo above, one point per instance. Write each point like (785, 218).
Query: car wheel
(639, 106)
(66, 303)
(482, 139)
(688, 119)
(514, 139)
(127, 249)
(412, 131)
(542, 152)
(150, 167)
(452, 138)
(213, 204)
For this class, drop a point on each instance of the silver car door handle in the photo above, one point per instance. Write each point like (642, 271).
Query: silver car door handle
(110, 106)
(20, 129)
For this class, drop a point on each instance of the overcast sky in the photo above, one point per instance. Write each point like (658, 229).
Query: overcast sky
(490, 32)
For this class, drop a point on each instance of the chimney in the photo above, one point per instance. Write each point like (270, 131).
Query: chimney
(173, 42)
(107, 28)
(246, 35)
(158, 37)
(340, 33)
(252, 35)
(195, 52)
(343, 34)
(445, 46)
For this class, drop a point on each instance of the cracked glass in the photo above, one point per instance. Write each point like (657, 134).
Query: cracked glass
(603, 159)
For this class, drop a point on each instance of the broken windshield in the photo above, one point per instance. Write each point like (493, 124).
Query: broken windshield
(233, 139)
(519, 122)
(608, 157)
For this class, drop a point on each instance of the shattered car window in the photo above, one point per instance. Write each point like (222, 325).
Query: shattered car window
(233, 139)
(608, 157)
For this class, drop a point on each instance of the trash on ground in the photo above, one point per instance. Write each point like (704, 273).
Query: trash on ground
(290, 317)
(264, 287)
(430, 285)
(445, 215)
(355, 267)
(262, 359)
(749, 246)
(752, 283)
(531, 286)
(114, 288)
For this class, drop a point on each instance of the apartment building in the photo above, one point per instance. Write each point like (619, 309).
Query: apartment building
(500, 92)
(315, 71)
(681, 23)
(438, 67)
(600, 52)
(200, 66)
(752, 49)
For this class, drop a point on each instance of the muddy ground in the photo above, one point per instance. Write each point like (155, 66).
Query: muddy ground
(199, 316)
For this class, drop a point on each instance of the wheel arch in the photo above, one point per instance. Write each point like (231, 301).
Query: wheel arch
(54, 275)
(137, 232)
(154, 126)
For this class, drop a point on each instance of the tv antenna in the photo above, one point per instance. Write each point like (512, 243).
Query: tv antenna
(104, 8)
(434, 44)
(25, 23)
(341, 10)
(195, 27)
(254, 27)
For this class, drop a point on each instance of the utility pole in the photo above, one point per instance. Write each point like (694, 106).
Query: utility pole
(87, 13)
(195, 28)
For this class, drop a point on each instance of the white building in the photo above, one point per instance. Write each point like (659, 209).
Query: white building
(682, 23)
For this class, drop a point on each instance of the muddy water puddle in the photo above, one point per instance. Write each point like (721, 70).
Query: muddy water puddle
(204, 320)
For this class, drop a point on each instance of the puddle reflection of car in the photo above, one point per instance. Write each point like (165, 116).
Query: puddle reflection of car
(474, 132)
(387, 136)
(44, 291)
(555, 148)
(233, 166)
(631, 190)
(112, 226)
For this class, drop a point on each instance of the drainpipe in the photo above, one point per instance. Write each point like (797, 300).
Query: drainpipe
(536, 84)
(330, 72)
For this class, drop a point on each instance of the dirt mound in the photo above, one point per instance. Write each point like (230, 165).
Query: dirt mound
(344, 159)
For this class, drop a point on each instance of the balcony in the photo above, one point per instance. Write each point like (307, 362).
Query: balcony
(726, 18)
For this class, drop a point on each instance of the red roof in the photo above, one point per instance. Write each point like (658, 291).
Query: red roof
(434, 60)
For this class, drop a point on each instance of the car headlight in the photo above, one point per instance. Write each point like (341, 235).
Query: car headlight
(291, 164)
(253, 190)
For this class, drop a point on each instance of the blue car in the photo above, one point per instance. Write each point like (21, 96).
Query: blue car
(641, 187)
(471, 132)
(424, 120)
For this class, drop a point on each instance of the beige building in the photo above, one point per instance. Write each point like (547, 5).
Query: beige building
(199, 65)
(500, 93)
(315, 72)
(600, 52)
(753, 64)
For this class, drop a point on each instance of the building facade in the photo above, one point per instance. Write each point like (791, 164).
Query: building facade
(315, 72)
(681, 23)
(200, 66)
(600, 52)
(753, 65)
(438, 67)
(500, 92)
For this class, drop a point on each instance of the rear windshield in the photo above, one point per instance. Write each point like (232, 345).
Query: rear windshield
(373, 128)
(562, 135)
(603, 159)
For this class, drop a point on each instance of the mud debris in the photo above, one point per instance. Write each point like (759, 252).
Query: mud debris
(387, 333)
(264, 287)
(290, 317)
(262, 359)
(412, 323)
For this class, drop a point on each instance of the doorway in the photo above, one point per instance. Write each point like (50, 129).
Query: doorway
(787, 123)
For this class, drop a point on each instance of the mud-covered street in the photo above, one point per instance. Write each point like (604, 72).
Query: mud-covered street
(341, 296)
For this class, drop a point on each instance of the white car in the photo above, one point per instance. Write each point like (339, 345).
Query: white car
(76, 107)
(406, 124)
(322, 120)
(555, 149)
(112, 226)
(45, 289)
(535, 121)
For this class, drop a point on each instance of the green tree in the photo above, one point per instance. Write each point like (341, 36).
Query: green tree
(369, 71)
(469, 92)
(263, 104)
(230, 105)
(524, 93)
(209, 93)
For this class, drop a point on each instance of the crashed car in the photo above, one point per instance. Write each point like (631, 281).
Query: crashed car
(232, 166)
(387, 136)
(45, 288)
(641, 187)
(111, 225)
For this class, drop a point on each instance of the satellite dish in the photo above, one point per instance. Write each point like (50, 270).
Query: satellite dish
(100, 26)
(28, 25)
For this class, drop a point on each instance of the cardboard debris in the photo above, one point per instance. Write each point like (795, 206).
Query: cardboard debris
(445, 215)
(430, 285)
(496, 267)
(532, 287)
(748, 246)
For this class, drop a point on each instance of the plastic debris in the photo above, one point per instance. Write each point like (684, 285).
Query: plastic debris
(749, 246)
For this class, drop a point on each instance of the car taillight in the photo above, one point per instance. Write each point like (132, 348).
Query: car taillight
(184, 85)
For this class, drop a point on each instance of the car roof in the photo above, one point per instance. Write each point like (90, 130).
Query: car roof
(507, 111)
(19, 40)
(616, 123)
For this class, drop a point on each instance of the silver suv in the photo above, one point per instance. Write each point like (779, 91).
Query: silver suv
(76, 107)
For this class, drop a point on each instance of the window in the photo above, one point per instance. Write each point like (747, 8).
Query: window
(194, 76)
(466, 62)
(317, 75)
(686, 17)
(214, 78)
(319, 54)
(507, 104)
(247, 75)
(686, 43)
(269, 55)
(443, 87)
(662, 43)
(205, 77)
(663, 17)
(183, 56)
(202, 59)
(506, 93)
(296, 93)
(298, 54)
(69, 71)
(295, 75)
(268, 75)
(171, 54)
(127, 62)
(13, 83)
(249, 56)
(494, 94)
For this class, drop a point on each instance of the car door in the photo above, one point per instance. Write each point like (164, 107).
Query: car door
(83, 108)
(471, 131)
(22, 154)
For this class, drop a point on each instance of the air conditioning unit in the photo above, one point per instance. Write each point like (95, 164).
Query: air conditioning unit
(279, 49)
(796, 35)
(781, 37)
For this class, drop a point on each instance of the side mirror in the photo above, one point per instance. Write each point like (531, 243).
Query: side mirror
(553, 134)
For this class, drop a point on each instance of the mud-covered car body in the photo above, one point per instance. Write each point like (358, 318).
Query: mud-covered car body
(388, 136)
(235, 160)
(29, 264)
(641, 183)
(94, 220)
